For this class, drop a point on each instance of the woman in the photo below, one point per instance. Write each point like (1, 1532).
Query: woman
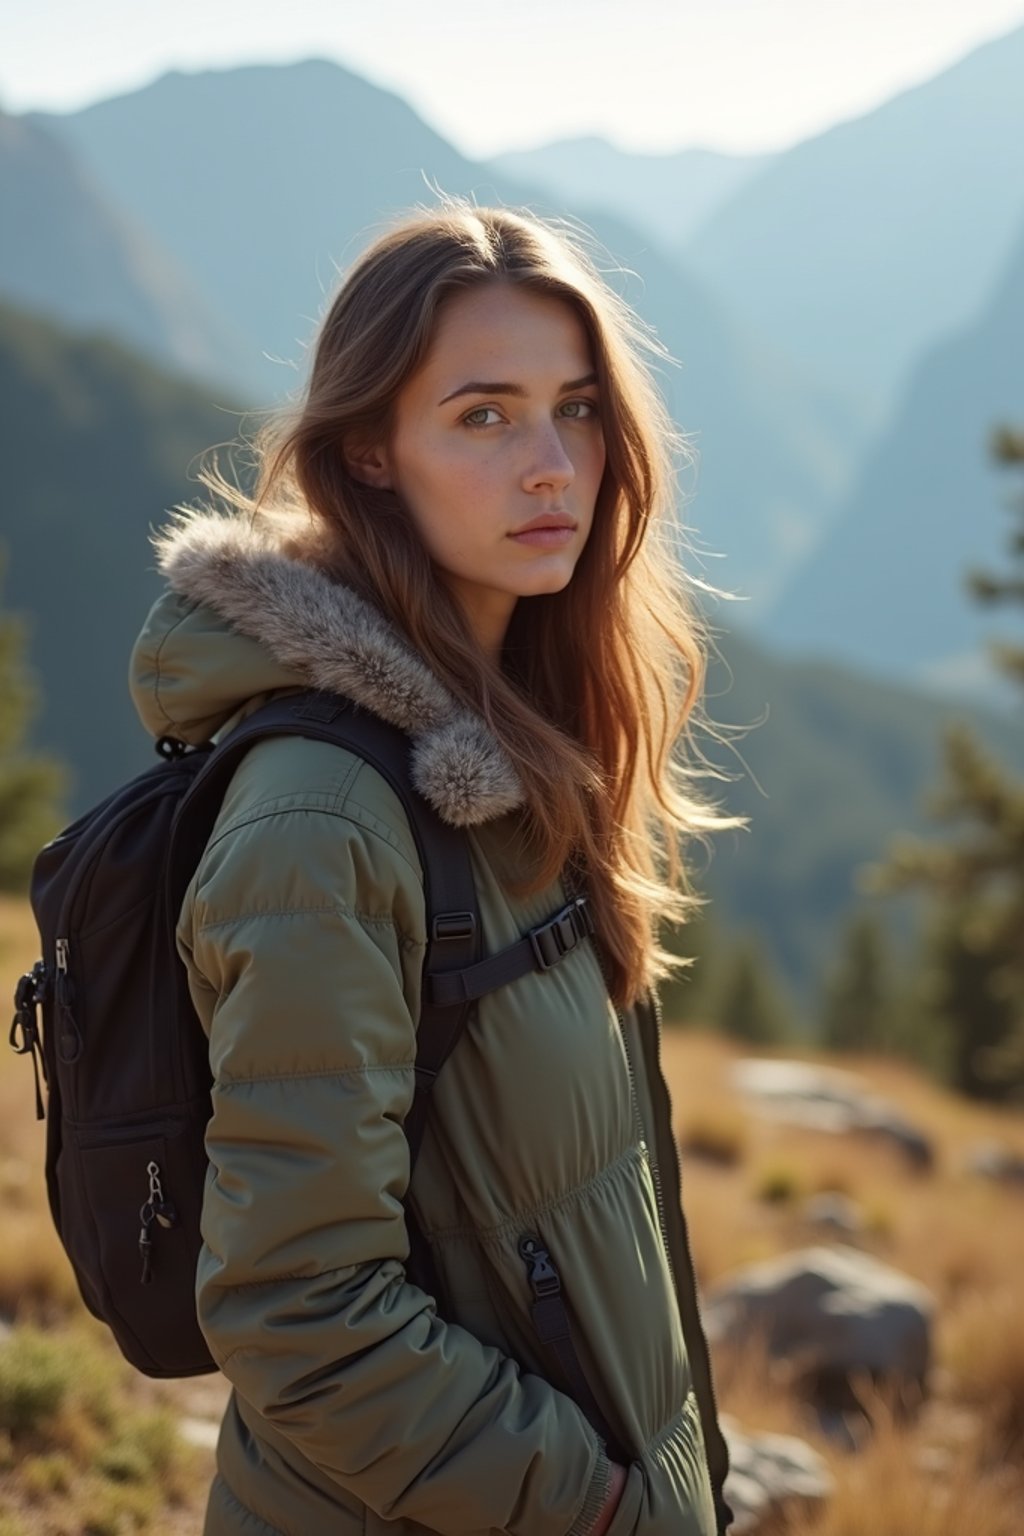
(459, 528)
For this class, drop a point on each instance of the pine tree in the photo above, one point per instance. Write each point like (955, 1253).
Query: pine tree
(857, 1004)
(974, 962)
(751, 1006)
(689, 996)
(31, 786)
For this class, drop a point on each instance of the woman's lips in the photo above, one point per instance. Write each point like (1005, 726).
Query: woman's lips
(545, 538)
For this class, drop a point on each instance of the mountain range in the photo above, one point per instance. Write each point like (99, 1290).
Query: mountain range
(261, 181)
(797, 352)
(171, 251)
(75, 252)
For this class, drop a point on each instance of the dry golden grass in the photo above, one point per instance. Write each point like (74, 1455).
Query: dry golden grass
(902, 1483)
(957, 1469)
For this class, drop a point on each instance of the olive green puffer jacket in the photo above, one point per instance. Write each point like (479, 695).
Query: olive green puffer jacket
(360, 1406)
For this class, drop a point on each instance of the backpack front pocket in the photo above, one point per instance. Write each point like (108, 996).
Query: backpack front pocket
(130, 1206)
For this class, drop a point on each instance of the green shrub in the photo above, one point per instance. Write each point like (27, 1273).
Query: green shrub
(779, 1185)
(114, 1509)
(40, 1476)
(35, 1377)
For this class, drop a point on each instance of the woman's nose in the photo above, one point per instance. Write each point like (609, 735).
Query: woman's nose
(549, 463)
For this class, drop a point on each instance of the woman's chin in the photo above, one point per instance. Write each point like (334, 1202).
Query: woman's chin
(549, 576)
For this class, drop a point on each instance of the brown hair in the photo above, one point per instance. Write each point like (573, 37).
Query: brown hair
(599, 684)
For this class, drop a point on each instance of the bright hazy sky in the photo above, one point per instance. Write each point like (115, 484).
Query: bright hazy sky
(738, 75)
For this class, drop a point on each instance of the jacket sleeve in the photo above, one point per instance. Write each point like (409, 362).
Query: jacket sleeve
(304, 936)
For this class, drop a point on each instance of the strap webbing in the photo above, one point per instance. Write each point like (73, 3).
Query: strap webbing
(539, 950)
(453, 918)
(551, 1321)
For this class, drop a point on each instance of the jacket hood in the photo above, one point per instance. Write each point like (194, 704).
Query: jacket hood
(242, 618)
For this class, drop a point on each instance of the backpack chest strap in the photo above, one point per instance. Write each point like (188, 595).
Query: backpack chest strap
(538, 950)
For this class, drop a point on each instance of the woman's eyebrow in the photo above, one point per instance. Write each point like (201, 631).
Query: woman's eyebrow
(483, 388)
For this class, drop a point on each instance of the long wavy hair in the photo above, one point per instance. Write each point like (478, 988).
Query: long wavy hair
(598, 686)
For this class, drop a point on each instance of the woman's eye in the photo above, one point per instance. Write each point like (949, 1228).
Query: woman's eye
(570, 410)
(579, 410)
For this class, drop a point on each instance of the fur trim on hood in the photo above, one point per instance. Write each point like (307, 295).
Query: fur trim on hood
(335, 640)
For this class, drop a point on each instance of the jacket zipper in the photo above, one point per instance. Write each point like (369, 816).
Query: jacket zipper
(715, 1442)
(648, 1152)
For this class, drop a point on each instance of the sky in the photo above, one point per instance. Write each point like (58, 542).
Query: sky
(735, 75)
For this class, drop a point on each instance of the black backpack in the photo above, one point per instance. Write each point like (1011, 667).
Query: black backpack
(121, 1050)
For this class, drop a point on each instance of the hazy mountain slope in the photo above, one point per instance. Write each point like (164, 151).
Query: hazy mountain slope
(669, 195)
(885, 590)
(69, 251)
(831, 764)
(96, 443)
(259, 179)
(857, 247)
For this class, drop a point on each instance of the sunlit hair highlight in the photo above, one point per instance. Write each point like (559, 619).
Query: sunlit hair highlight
(599, 685)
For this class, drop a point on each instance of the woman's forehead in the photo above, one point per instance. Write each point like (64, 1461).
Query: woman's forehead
(501, 333)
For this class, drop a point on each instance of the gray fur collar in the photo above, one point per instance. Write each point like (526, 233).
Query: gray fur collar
(327, 633)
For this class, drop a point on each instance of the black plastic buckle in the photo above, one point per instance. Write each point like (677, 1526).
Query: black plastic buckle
(454, 925)
(556, 938)
(25, 993)
(544, 1279)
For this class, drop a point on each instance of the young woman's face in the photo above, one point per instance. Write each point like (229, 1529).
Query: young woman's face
(500, 426)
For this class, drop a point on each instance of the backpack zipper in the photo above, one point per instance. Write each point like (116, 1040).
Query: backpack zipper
(69, 1039)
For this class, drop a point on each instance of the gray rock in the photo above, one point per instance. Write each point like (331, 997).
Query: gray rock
(834, 1314)
(768, 1473)
(828, 1099)
(834, 1211)
(990, 1160)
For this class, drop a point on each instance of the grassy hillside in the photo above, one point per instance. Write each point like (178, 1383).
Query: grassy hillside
(88, 1446)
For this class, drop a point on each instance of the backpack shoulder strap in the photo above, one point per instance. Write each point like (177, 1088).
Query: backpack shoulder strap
(453, 917)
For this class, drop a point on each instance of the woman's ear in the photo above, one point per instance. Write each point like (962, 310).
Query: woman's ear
(369, 464)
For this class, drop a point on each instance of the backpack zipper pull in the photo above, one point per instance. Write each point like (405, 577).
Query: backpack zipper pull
(156, 1208)
(28, 998)
(163, 1209)
(146, 1244)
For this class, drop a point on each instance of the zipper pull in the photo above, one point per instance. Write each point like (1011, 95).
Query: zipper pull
(155, 1208)
(69, 1040)
(159, 1206)
(146, 1243)
(28, 998)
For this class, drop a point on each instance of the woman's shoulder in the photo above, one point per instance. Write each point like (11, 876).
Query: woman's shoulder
(306, 823)
(299, 778)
